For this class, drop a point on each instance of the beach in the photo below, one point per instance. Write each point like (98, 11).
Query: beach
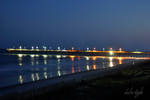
(119, 82)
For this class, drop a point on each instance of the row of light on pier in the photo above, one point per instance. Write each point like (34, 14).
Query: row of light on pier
(59, 48)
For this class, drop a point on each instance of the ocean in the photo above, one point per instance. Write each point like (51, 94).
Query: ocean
(17, 69)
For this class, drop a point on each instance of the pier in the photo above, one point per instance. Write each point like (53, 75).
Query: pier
(77, 52)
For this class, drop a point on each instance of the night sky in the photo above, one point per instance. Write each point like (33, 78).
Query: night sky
(78, 23)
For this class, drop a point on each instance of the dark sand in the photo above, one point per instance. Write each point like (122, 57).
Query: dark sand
(130, 82)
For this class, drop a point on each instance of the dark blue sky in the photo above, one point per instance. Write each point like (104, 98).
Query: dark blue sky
(79, 23)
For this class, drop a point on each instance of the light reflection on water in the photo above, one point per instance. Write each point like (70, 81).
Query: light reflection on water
(27, 68)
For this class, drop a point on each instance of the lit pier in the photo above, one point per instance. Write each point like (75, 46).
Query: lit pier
(87, 51)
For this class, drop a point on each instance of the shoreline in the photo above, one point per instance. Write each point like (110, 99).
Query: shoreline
(53, 84)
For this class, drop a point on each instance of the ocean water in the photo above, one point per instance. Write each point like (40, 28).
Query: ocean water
(17, 69)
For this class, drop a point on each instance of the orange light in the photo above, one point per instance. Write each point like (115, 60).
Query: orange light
(94, 58)
(111, 52)
(120, 60)
(94, 66)
(72, 58)
(73, 69)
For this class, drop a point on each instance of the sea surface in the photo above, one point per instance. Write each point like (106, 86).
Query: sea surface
(17, 69)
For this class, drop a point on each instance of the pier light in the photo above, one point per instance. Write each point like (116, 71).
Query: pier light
(32, 47)
(87, 67)
(73, 70)
(37, 76)
(94, 58)
(120, 60)
(120, 49)
(72, 58)
(103, 49)
(37, 55)
(72, 48)
(45, 61)
(32, 56)
(20, 47)
(44, 47)
(87, 49)
(58, 48)
(45, 56)
(94, 66)
(94, 48)
(20, 64)
(137, 52)
(37, 47)
(59, 73)
(20, 79)
(110, 49)
(111, 53)
(64, 56)
(33, 77)
(20, 55)
(58, 56)
(111, 62)
(45, 75)
(87, 58)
